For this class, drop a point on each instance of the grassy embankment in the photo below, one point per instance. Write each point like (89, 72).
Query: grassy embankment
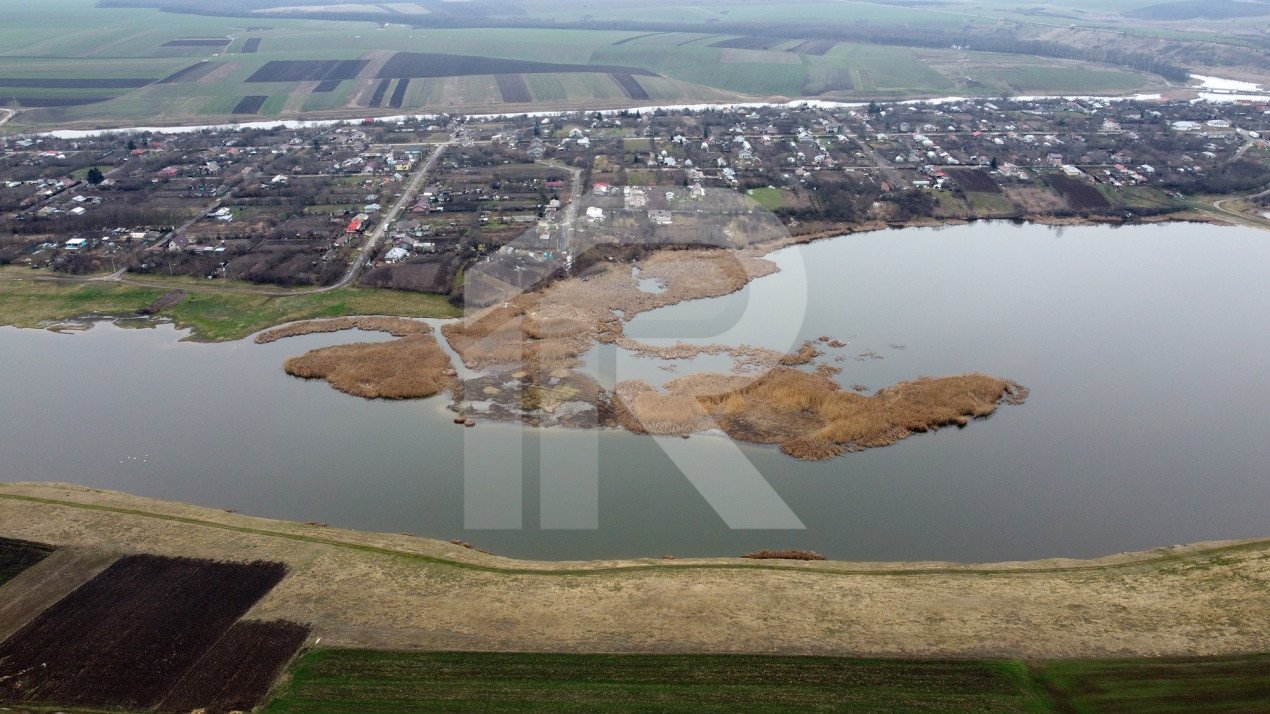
(212, 314)
(329, 680)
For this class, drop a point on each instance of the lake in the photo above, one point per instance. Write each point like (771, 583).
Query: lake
(1144, 348)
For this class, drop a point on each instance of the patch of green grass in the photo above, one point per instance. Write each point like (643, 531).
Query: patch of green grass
(769, 198)
(213, 314)
(1217, 684)
(989, 204)
(367, 681)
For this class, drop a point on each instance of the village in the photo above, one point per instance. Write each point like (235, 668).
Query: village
(410, 204)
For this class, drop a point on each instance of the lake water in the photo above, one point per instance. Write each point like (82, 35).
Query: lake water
(1144, 347)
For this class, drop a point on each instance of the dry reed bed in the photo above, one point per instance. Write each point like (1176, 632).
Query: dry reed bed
(553, 327)
(412, 367)
(806, 413)
(395, 326)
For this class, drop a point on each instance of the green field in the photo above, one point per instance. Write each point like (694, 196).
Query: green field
(127, 45)
(329, 680)
(366, 681)
(212, 314)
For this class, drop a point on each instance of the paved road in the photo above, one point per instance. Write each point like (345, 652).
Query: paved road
(1244, 218)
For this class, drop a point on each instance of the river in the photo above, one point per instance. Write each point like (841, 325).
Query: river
(1144, 348)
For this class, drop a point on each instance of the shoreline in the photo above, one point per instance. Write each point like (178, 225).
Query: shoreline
(403, 592)
(73, 322)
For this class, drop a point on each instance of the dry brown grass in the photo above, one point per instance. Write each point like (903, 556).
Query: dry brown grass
(784, 555)
(395, 326)
(381, 590)
(409, 368)
(806, 413)
(554, 326)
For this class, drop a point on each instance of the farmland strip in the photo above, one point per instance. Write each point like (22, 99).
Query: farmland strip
(638, 37)
(377, 98)
(192, 73)
(424, 64)
(198, 42)
(251, 46)
(327, 85)
(307, 70)
(399, 93)
(250, 104)
(74, 82)
(40, 101)
(630, 85)
(813, 47)
(1078, 194)
(124, 637)
(748, 43)
(512, 87)
(974, 180)
(238, 671)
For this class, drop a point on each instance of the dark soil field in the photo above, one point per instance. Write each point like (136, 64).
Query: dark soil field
(328, 85)
(193, 73)
(251, 46)
(813, 47)
(421, 64)
(37, 101)
(1079, 195)
(250, 104)
(18, 555)
(350, 680)
(377, 99)
(399, 93)
(198, 42)
(748, 43)
(123, 638)
(512, 87)
(238, 671)
(73, 83)
(630, 85)
(308, 70)
(974, 180)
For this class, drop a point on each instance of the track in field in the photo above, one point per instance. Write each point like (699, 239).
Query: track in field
(73, 83)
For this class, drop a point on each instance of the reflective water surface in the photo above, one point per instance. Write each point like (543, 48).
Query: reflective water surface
(1144, 348)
